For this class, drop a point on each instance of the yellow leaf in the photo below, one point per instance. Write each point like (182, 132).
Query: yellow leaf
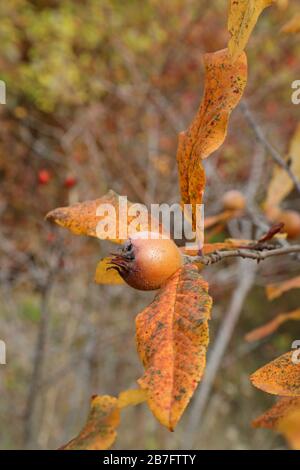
(84, 218)
(279, 377)
(281, 184)
(282, 4)
(270, 418)
(289, 426)
(292, 26)
(277, 289)
(104, 275)
(242, 18)
(132, 397)
(99, 432)
(283, 417)
(172, 338)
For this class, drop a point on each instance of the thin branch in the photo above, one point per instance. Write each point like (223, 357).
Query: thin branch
(254, 254)
(268, 146)
(39, 352)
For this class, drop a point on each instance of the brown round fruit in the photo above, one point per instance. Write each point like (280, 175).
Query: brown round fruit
(234, 200)
(291, 220)
(147, 263)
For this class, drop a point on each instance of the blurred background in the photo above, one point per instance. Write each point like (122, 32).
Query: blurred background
(97, 92)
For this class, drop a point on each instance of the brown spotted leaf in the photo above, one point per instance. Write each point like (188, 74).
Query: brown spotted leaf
(272, 326)
(275, 290)
(99, 432)
(224, 86)
(283, 417)
(242, 18)
(279, 377)
(104, 218)
(172, 338)
(270, 418)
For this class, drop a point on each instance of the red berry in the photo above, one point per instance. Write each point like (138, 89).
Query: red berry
(44, 176)
(69, 182)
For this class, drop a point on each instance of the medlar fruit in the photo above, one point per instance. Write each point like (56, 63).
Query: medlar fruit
(234, 200)
(146, 263)
(291, 220)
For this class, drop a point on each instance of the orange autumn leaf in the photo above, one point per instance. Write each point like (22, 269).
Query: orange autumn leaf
(289, 426)
(279, 377)
(224, 86)
(283, 417)
(270, 418)
(104, 275)
(242, 18)
(99, 433)
(183, 160)
(282, 4)
(292, 26)
(172, 338)
(281, 184)
(82, 218)
(272, 326)
(273, 291)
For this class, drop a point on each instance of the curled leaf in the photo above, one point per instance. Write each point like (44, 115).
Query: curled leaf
(279, 377)
(99, 433)
(224, 86)
(172, 338)
(242, 18)
(272, 232)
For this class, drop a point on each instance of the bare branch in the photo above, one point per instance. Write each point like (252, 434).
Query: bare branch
(254, 254)
(40, 350)
(268, 146)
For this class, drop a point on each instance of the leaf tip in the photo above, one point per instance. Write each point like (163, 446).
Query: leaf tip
(55, 216)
